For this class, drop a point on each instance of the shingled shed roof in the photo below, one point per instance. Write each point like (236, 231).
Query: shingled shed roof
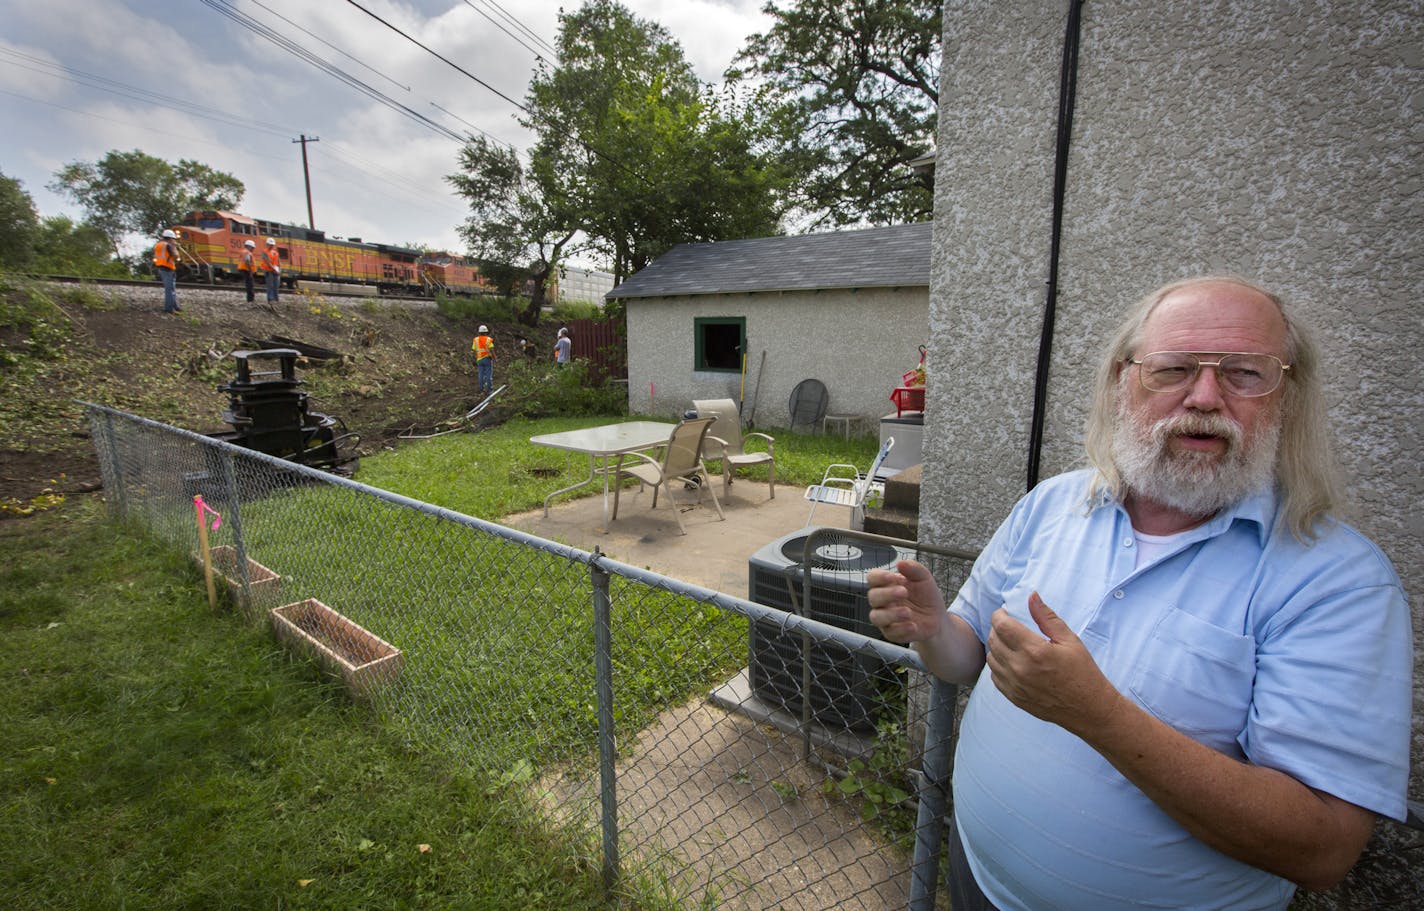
(897, 256)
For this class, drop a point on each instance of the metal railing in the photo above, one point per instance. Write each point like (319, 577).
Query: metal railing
(762, 753)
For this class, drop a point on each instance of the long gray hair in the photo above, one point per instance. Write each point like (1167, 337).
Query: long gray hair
(1306, 473)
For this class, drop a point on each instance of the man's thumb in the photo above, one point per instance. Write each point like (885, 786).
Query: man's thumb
(1049, 623)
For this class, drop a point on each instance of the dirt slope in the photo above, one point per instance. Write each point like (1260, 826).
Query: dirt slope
(403, 365)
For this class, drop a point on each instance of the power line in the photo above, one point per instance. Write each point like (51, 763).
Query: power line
(582, 143)
(497, 25)
(383, 176)
(522, 27)
(142, 126)
(438, 56)
(330, 45)
(113, 86)
(342, 157)
(488, 135)
(291, 47)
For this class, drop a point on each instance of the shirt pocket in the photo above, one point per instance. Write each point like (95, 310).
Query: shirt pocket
(1197, 678)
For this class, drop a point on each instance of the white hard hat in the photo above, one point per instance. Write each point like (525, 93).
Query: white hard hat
(248, 243)
(169, 233)
(484, 328)
(271, 242)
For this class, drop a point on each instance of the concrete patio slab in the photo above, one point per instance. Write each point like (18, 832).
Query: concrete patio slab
(712, 554)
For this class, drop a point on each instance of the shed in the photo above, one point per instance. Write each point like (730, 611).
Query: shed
(849, 308)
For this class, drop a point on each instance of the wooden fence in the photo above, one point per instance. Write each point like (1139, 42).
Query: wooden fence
(603, 343)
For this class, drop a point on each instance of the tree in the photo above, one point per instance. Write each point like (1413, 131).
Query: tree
(632, 157)
(66, 248)
(131, 192)
(852, 90)
(511, 221)
(19, 224)
(645, 154)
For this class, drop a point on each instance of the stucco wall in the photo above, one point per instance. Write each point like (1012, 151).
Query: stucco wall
(1275, 140)
(856, 342)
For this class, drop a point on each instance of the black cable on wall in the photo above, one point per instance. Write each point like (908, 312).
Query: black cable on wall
(1067, 92)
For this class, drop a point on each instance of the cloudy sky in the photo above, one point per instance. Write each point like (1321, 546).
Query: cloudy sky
(224, 82)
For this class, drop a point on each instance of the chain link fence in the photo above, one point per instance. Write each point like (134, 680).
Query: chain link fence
(710, 751)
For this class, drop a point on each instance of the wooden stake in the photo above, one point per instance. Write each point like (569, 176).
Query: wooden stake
(207, 554)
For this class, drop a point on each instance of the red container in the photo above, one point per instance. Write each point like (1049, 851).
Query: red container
(908, 398)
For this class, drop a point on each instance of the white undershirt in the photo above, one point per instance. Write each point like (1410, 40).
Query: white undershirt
(1150, 547)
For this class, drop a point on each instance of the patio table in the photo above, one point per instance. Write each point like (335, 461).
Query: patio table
(604, 443)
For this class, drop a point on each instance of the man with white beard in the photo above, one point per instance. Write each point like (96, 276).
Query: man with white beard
(1193, 679)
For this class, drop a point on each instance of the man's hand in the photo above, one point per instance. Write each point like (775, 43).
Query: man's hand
(1255, 814)
(1054, 679)
(906, 605)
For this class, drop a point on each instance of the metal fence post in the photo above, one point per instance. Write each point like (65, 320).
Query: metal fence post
(115, 466)
(607, 749)
(934, 791)
(239, 546)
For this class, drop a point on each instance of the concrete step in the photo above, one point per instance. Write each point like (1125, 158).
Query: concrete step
(902, 489)
(894, 523)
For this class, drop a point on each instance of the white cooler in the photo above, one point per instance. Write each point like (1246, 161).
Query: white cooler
(908, 429)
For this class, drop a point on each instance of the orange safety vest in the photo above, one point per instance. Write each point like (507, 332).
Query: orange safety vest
(272, 261)
(483, 346)
(163, 255)
(245, 264)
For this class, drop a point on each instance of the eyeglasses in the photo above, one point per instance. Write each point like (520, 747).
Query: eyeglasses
(1246, 375)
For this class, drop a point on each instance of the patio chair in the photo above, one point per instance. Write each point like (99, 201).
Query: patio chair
(808, 404)
(851, 489)
(725, 441)
(679, 463)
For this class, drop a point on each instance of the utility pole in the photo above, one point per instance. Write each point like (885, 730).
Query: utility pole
(306, 174)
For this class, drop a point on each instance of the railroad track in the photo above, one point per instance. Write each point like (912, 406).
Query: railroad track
(209, 286)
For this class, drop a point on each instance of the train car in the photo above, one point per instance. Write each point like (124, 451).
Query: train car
(451, 274)
(211, 245)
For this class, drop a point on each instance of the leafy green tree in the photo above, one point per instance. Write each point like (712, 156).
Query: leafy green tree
(512, 221)
(67, 248)
(852, 98)
(19, 224)
(132, 192)
(644, 154)
(633, 156)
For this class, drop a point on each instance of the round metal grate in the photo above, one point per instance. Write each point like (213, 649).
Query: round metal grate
(841, 556)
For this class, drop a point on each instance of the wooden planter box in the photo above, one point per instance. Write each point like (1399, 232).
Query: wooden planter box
(364, 660)
(265, 585)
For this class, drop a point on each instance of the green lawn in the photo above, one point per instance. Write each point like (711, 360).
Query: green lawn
(158, 755)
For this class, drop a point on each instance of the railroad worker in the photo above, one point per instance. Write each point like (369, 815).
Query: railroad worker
(272, 264)
(247, 265)
(1193, 680)
(563, 348)
(165, 263)
(483, 347)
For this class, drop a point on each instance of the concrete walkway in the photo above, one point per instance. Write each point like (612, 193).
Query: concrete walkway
(713, 553)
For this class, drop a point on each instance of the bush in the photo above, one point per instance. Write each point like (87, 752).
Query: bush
(486, 308)
(572, 310)
(538, 390)
(66, 248)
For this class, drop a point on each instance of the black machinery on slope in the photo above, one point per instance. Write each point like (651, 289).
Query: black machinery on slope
(269, 413)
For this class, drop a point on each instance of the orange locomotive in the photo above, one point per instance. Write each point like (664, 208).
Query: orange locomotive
(214, 241)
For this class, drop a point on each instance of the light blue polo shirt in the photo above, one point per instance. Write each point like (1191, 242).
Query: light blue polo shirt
(1284, 655)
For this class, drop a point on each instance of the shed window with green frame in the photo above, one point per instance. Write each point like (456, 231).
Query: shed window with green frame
(718, 343)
